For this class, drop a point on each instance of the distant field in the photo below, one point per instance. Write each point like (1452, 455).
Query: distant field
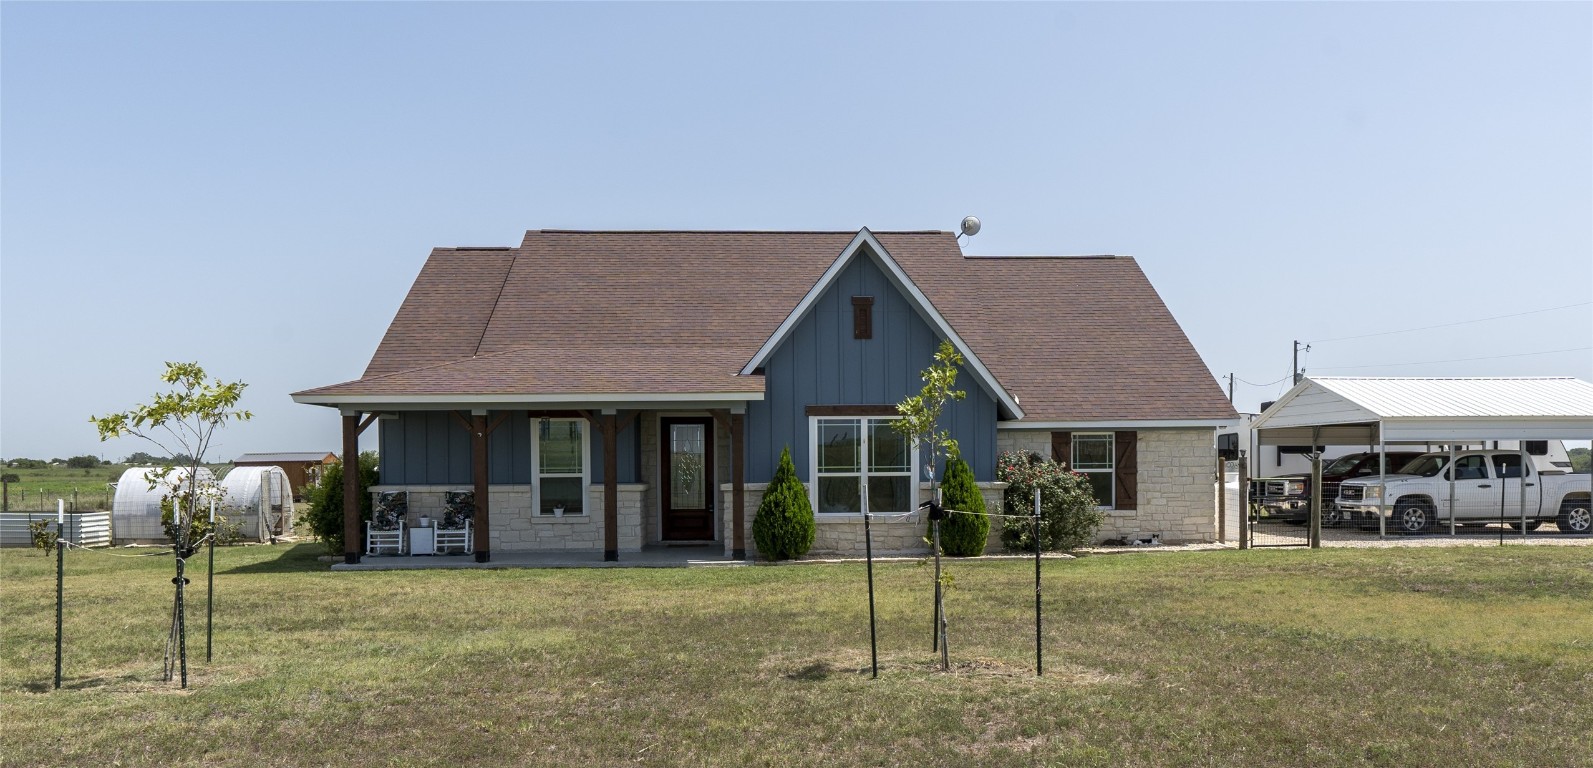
(1452, 657)
(39, 488)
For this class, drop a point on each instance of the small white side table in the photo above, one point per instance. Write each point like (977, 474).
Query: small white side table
(423, 541)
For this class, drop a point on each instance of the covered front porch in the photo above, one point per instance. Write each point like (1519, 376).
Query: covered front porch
(558, 484)
(706, 555)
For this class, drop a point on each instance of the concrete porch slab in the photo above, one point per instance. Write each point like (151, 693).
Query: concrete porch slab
(649, 557)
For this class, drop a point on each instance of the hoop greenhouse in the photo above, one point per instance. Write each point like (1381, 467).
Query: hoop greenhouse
(135, 515)
(259, 500)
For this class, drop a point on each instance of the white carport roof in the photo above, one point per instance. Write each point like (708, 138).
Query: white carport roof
(1365, 411)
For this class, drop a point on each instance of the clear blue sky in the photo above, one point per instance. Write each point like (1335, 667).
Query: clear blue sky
(255, 186)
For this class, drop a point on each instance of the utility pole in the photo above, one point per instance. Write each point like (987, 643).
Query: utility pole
(1230, 388)
(1298, 374)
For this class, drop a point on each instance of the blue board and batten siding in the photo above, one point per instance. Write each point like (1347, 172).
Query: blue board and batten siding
(819, 363)
(433, 448)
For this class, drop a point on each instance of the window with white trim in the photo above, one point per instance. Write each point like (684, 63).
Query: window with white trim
(1094, 457)
(850, 455)
(559, 448)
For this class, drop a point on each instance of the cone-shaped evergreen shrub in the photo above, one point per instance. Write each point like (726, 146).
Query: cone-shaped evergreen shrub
(784, 529)
(963, 535)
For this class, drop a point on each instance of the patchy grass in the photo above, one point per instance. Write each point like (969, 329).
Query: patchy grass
(1330, 658)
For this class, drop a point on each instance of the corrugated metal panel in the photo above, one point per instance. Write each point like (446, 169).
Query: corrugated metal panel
(86, 529)
(1392, 398)
(272, 458)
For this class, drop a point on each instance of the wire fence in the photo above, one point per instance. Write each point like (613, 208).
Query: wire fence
(43, 500)
(1493, 504)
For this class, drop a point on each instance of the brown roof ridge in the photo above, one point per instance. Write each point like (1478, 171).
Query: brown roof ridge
(493, 248)
(1042, 256)
(733, 231)
(513, 262)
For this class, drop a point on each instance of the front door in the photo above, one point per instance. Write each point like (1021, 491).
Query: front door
(686, 474)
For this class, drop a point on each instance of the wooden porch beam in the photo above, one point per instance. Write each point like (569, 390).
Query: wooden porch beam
(370, 419)
(610, 426)
(497, 420)
(738, 486)
(478, 460)
(352, 545)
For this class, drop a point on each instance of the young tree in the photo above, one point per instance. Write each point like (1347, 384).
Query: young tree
(920, 424)
(184, 417)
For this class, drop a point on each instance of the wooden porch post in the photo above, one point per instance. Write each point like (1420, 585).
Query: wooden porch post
(478, 461)
(610, 424)
(738, 486)
(351, 487)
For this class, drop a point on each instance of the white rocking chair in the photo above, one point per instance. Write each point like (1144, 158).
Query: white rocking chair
(456, 538)
(376, 540)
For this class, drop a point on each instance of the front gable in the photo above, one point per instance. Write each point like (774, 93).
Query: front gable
(864, 247)
(819, 361)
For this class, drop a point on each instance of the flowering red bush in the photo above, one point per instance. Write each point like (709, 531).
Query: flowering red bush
(1068, 514)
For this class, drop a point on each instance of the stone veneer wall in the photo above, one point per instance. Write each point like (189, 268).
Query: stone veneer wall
(515, 529)
(843, 534)
(1177, 483)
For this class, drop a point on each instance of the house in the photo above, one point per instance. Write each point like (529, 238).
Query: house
(606, 391)
(303, 468)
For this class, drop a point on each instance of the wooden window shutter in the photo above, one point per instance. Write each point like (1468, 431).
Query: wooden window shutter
(1062, 448)
(862, 317)
(1127, 470)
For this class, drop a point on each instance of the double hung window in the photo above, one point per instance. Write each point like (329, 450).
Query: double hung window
(560, 451)
(854, 456)
(1093, 457)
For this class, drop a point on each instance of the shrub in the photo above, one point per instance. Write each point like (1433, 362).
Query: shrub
(83, 462)
(43, 534)
(325, 517)
(963, 535)
(1068, 515)
(198, 526)
(784, 528)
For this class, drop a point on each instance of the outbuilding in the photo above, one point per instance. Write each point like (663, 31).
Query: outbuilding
(1383, 412)
(135, 514)
(259, 500)
(303, 468)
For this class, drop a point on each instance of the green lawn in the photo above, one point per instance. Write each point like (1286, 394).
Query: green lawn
(1467, 656)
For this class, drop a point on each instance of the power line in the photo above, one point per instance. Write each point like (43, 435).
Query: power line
(1268, 384)
(1459, 322)
(1456, 360)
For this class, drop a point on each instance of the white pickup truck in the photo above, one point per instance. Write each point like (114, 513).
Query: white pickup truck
(1487, 488)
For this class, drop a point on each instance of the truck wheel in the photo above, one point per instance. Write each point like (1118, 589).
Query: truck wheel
(1332, 517)
(1575, 517)
(1532, 525)
(1413, 517)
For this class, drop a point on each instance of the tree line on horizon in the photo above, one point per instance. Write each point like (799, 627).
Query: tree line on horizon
(87, 461)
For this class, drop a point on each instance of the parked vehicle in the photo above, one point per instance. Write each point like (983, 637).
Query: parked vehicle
(1288, 497)
(1487, 488)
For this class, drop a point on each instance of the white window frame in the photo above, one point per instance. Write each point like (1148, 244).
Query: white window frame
(537, 474)
(1110, 471)
(862, 474)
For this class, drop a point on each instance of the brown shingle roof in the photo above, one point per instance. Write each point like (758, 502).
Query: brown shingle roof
(680, 312)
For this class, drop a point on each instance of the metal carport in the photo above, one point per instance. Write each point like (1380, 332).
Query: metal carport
(1384, 410)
